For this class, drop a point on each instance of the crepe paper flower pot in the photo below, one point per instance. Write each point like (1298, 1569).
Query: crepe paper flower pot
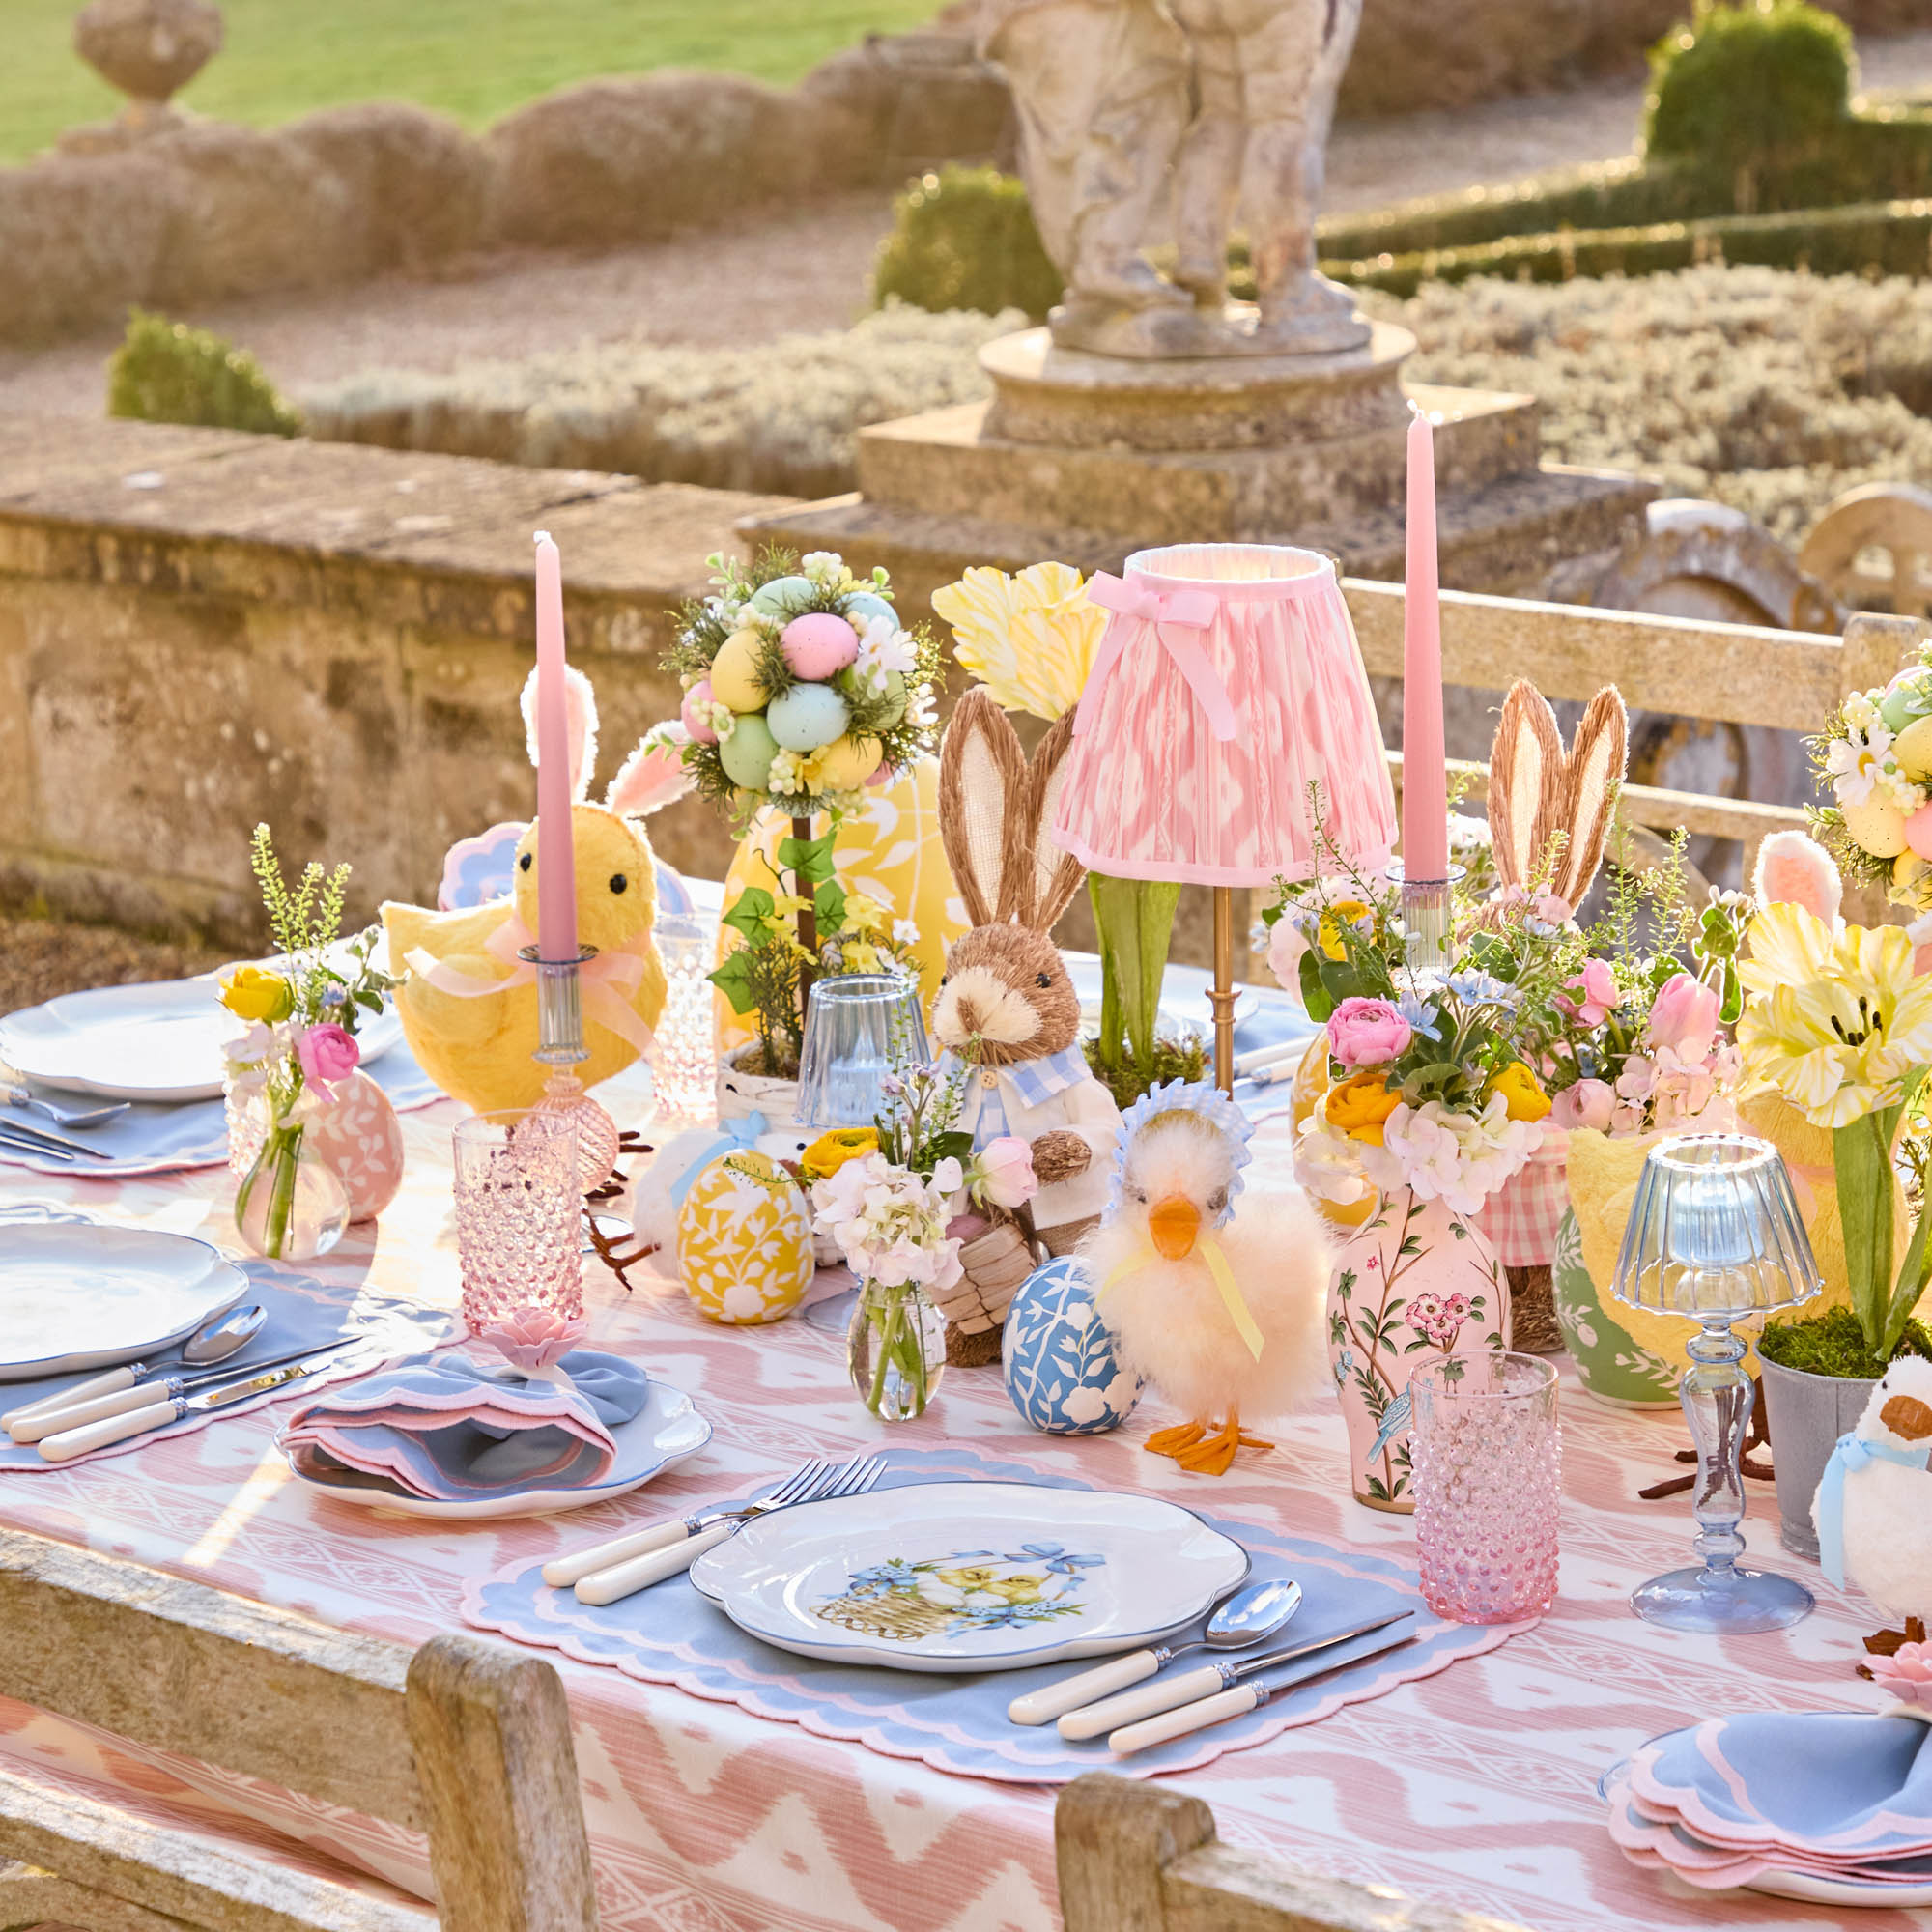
(1808, 1414)
(1415, 1282)
(1611, 1363)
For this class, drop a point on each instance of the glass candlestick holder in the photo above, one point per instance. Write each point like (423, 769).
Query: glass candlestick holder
(1715, 1234)
(561, 1047)
(1429, 916)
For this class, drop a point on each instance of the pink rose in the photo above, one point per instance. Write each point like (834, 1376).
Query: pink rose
(532, 1339)
(1590, 1104)
(1685, 1016)
(1006, 1175)
(1591, 994)
(328, 1055)
(1367, 1032)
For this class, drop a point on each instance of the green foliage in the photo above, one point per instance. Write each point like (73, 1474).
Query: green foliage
(1167, 1059)
(167, 372)
(965, 237)
(1833, 1344)
(1743, 84)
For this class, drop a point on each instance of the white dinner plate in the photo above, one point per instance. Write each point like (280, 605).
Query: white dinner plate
(958, 1576)
(664, 1431)
(160, 1042)
(87, 1296)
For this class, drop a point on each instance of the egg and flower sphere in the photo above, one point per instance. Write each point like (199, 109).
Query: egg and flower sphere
(734, 671)
(746, 754)
(807, 717)
(818, 644)
(744, 1239)
(784, 596)
(1877, 824)
(847, 763)
(863, 607)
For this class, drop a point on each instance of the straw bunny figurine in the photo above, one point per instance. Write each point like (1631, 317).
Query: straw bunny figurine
(1007, 1009)
(468, 1007)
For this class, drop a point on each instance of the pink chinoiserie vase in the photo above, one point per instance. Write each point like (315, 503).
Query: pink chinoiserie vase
(1414, 1282)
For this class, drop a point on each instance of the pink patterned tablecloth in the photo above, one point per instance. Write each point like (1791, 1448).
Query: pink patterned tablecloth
(1475, 1787)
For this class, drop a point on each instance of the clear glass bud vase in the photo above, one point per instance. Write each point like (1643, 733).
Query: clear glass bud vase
(290, 1204)
(895, 1349)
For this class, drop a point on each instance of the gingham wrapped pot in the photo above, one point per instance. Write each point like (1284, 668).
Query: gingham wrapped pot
(1519, 1221)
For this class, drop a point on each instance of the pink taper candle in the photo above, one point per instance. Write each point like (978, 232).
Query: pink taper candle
(1425, 777)
(556, 857)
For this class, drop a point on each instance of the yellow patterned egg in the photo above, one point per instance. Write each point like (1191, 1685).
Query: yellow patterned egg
(744, 1239)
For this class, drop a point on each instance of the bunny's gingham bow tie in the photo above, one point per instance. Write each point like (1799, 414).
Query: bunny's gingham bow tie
(1177, 617)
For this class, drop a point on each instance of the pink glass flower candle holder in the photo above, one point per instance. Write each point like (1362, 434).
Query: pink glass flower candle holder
(518, 1214)
(1489, 1463)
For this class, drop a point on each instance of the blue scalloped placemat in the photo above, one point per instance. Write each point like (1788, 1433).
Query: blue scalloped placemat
(670, 1635)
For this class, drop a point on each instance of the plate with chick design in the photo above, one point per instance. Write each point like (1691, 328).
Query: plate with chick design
(970, 1577)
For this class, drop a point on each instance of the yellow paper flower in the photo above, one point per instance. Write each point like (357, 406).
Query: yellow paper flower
(1523, 1093)
(1328, 934)
(1359, 1106)
(1029, 639)
(829, 1152)
(254, 993)
(1836, 1018)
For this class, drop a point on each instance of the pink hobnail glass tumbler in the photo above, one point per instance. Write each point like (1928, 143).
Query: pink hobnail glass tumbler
(1488, 1459)
(518, 1214)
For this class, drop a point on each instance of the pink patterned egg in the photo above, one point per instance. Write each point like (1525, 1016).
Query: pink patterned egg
(359, 1136)
(1918, 832)
(694, 721)
(818, 643)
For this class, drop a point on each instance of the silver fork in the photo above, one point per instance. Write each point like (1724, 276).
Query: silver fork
(678, 1552)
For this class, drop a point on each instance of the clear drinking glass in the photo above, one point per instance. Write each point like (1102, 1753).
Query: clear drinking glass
(683, 1054)
(519, 1213)
(858, 1027)
(1489, 1461)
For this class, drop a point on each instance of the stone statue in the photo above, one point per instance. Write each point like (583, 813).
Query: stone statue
(1215, 110)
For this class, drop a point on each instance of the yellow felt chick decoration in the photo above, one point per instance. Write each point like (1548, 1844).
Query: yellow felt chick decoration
(468, 1006)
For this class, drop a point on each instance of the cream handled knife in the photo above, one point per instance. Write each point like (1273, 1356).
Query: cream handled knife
(1241, 1698)
(1186, 1687)
(69, 1443)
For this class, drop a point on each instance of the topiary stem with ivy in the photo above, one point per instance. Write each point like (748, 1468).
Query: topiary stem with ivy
(808, 918)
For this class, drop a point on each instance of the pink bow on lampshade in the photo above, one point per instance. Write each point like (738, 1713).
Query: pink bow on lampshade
(1177, 617)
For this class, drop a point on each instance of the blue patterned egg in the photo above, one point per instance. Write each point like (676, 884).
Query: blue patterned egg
(1063, 1370)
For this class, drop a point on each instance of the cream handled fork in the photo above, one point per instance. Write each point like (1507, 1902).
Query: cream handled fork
(608, 1587)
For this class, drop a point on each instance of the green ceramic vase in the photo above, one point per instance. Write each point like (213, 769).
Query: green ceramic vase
(1611, 1363)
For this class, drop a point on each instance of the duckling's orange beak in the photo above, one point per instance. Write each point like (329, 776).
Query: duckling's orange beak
(1174, 1224)
(1904, 1414)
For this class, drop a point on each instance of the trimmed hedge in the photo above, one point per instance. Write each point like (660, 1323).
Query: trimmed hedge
(965, 237)
(1892, 237)
(167, 372)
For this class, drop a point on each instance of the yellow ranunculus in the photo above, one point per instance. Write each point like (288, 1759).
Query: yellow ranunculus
(829, 1152)
(1523, 1093)
(1328, 935)
(1836, 1018)
(1359, 1106)
(1029, 639)
(254, 993)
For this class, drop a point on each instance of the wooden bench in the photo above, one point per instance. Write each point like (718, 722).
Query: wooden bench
(1142, 1858)
(463, 1741)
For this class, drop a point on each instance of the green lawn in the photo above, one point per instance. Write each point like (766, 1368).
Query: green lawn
(475, 59)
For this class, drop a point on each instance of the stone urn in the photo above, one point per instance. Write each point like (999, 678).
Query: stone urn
(150, 50)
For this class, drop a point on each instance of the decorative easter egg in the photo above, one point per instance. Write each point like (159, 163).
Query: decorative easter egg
(862, 606)
(847, 763)
(674, 897)
(1918, 837)
(734, 671)
(1876, 828)
(359, 1135)
(1908, 696)
(746, 754)
(1063, 1369)
(1908, 869)
(694, 720)
(818, 643)
(1913, 748)
(785, 595)
(883, 704)
(744, 1239)
(807, 717)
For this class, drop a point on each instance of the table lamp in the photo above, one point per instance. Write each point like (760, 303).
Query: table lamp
(1715, 1234)
(1226, 690)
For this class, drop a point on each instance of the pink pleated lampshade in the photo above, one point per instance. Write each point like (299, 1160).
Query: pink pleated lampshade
(1228, 681)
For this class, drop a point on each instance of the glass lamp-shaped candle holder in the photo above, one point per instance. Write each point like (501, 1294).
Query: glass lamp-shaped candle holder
(1715, 1234)
(858, 1027)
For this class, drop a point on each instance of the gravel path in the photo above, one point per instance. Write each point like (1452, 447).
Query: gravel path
(810, 270)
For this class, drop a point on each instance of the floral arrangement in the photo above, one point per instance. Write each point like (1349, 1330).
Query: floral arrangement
(800, 684)
(301, 1044)
(1875, 757)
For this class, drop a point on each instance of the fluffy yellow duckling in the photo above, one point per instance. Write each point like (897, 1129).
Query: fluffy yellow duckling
(1223, 1313)
(468, 1006)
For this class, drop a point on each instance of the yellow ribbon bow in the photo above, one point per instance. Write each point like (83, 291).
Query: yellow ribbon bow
(1224, 1281)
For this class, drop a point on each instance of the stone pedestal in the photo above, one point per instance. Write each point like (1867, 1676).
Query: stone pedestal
(1086, 458)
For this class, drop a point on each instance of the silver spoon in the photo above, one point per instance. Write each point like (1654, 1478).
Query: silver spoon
(64, 1117)
(214, 1340)
(1247, 1616)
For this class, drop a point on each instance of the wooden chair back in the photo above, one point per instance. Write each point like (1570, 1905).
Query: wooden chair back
(465, 1741)
(1142, 1858)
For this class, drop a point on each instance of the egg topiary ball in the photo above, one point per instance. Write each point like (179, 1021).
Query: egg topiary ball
(744, 1239)
(847, 763)
(807, 717)
(1063, 1369)
(734, 672)
(746, 754)
(870, 692)
(1907, 698)
(864, 606)
(693, 721)
(818, 643)
(784, 596)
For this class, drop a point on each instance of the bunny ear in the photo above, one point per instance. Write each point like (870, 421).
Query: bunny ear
(1594, 771)
(1525, 756)
(580, 710)
(653, 776)
(1056, 873)
(983, 784)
